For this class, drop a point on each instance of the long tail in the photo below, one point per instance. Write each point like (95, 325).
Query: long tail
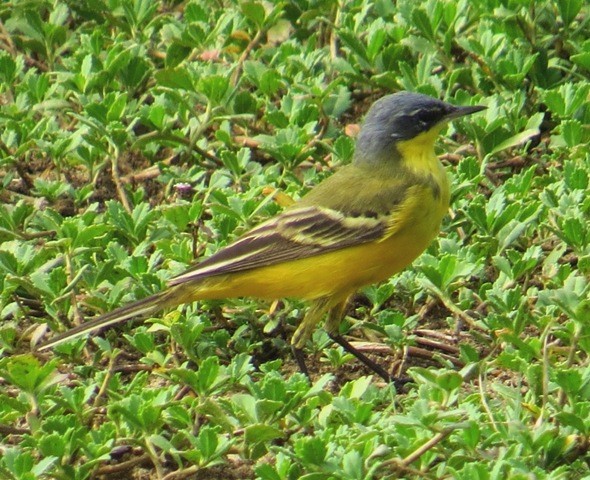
(143, 307)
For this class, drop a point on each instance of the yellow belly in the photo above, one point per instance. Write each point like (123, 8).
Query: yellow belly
(337, 273)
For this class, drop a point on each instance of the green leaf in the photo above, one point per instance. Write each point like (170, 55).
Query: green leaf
(270, 82)
(377, 37)
(422, 21)
(575, 232)
(194, 12)
(569, 9)
(254, 11)
(344, 149)
(26, 373)
(573, 421)
(178, 215)
(53, 445)
(261, 433)
(267, 472)
(214, 87)
(244, 102)
(338, 102)
(572, 132)
(207, 374)
(43, 466)
(156, 115)
(352, 41)
(516, 140)
(576, 177)
(134, 73)
(207, 442)
(582, 59)
(7, 68)
(176, 53)
(570, 380)
(175, 78)
(352, 465)
(311, 450)
(8, 263)
(117, 107)
(449, 381)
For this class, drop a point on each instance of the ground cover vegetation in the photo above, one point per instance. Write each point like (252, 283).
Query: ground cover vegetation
(138, 136)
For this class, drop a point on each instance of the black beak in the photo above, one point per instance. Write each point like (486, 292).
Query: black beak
(457, 112)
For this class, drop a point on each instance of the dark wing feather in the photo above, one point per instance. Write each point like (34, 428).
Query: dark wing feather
(296, 233)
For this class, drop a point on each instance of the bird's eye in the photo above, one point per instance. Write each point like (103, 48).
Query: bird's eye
(427, 117)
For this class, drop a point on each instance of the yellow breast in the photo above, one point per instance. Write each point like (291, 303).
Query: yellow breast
(414, 223)
(340, 272)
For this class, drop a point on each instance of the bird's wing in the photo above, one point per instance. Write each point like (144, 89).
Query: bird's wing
(296, 233)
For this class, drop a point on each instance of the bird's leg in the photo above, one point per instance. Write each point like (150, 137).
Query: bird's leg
(315, 313)
(345, 344)
(313, 316)
(331, 326)
(299, 357)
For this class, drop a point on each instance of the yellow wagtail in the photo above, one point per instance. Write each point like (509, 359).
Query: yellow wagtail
(363, 224)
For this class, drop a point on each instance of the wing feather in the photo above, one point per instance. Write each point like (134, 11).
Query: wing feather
(294, 234)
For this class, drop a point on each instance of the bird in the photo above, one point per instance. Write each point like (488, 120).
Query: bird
(360, 226)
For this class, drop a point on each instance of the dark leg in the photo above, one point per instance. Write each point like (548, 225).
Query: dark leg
(375, 367)
(300, 360)
(315, 313)
(332, 325)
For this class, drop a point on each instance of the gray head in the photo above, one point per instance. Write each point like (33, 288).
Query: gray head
(403, 116)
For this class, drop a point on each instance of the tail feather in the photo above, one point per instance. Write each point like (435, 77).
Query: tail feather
(143, 307)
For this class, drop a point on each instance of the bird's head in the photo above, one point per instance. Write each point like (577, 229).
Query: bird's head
(404, 118)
